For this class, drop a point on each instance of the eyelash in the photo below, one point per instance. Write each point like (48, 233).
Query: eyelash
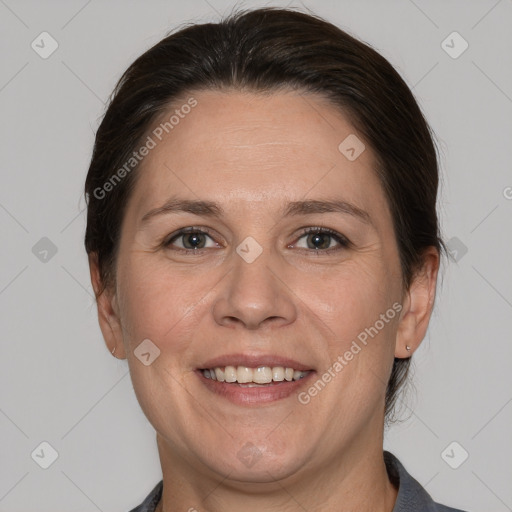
(343, 241)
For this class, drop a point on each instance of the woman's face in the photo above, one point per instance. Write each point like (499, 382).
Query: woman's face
(259, 291)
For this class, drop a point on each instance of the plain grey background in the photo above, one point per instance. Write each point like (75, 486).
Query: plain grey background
(58, 382)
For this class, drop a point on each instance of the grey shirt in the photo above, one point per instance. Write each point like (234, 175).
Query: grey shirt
(411, 495)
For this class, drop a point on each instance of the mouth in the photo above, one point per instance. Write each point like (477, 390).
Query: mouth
(261, 375)
(244, 381)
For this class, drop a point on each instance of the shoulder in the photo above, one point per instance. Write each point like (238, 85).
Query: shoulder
(411, 495)
(152, 499)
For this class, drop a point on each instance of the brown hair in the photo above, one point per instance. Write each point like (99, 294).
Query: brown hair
(264, 50)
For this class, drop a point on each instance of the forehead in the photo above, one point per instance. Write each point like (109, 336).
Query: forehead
(252, 147)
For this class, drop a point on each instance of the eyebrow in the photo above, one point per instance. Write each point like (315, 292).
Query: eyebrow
(294, 208)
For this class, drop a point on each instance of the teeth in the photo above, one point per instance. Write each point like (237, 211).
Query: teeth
(262, 375)
(297, 375)
(278, 374)
(259, 375)
(243, 374)
(230, 374)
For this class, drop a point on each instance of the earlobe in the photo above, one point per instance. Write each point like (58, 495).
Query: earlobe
(418, 305)
(108, 311)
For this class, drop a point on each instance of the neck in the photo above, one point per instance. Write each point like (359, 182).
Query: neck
(353, 480)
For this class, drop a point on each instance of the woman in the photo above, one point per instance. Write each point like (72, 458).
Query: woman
(264, 248)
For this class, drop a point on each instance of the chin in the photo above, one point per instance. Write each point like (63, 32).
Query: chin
(258, 463)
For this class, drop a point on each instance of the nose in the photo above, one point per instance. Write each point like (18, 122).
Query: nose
(256, 294)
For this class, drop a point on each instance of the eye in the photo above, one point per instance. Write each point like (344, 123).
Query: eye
(317, 239)
(323, 240)
(190, 239)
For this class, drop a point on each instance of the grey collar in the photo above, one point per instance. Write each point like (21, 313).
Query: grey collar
(412, 497)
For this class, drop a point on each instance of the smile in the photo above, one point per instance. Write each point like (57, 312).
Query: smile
(246, 386)
(259, 375)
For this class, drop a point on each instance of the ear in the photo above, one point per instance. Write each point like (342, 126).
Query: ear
(108, 311)
(417, 305)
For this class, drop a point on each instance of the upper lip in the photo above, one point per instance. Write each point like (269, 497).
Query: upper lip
(254, 361)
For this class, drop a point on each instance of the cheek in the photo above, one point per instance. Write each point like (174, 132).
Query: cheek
(356, 305)
(151, 302)
(348, 298)
(164, 303)
(359, 307)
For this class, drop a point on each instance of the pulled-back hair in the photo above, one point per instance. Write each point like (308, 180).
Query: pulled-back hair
(263, 51)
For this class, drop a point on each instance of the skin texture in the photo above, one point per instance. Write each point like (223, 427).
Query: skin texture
(252, 154)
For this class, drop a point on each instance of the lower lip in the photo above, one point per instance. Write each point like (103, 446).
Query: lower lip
(256, 395)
